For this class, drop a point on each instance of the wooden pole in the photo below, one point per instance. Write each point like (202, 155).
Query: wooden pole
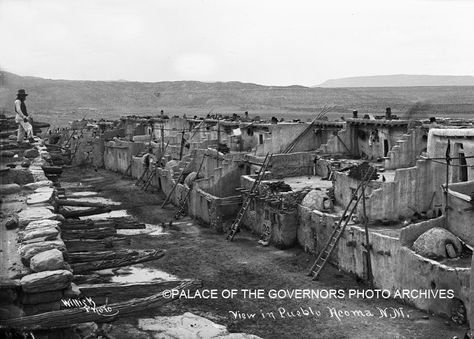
(67, 317)
(446, 206)
(162, 136)
(218, 134)
(367, 244)
(182, 146)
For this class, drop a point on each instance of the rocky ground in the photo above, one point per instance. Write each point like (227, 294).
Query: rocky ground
(194, 251)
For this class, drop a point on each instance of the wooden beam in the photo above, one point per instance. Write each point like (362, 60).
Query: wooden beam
(80, 245)
(110, 289)
(92, 233)
(128, 259)
(67, 317)
(82, 213)
(73, 202)
(78, 257)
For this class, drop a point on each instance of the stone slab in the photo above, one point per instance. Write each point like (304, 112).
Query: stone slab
(9, 189)
(38, 233)
(46, 281)
(31, 153)
(34, 213)
(28, 251)
(188, 325)
(42, 224)
(35, 185)
(39, 198)
(48, 260)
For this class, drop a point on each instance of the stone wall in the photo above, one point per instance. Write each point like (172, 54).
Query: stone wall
(41, 276)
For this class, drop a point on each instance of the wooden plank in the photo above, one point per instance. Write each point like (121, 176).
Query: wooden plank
(82, 213)
(80, 203)
(86, 226)
(89, 224)
(109, 289)
(78, 257)
(92, 233)
(130, 259)
(67, 317)
(81, 245)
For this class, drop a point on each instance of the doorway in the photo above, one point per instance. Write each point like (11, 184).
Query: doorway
(462, 167)
(385, 147)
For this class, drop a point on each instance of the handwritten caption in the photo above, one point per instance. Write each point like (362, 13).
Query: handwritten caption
(308, 294)
(89, 305)
(328, 312)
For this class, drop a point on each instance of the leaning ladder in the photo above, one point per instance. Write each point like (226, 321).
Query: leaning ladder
(149, 178)
(181, 174)
(141, 179)
(235, 225)
(188, 194)
(343, 221)
(155, 168)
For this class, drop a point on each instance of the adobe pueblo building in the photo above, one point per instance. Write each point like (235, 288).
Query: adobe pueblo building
(386, 199)
(219, 172)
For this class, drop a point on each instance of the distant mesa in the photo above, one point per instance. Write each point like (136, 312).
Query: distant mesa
(400, 80)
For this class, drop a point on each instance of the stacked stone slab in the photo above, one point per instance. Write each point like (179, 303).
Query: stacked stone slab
(41, 250)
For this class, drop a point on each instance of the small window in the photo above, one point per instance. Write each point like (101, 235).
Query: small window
(260, 139)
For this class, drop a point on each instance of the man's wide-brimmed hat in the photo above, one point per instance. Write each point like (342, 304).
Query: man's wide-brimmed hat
(22, 92)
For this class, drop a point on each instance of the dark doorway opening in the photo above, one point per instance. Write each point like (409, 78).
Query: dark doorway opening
(463, 167)
(385, 147)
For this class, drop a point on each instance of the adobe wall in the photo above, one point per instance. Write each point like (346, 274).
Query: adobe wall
(364, 143)
(394, 265)
(287, 165)
(338, 143)
(462, 141)
(406, 150)
(117, 155)
(414, 189)
(461, 211)
(222, 174)
(283, 224)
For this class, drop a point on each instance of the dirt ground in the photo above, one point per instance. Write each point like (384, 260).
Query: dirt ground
(194, 251)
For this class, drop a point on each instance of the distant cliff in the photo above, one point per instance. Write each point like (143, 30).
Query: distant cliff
(400, 80)
(59, 101)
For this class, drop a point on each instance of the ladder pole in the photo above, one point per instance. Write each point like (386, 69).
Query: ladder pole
(174, 186)
(369, 260)
(246, 202)
(334, 237)
(171, 192)
(186, 197)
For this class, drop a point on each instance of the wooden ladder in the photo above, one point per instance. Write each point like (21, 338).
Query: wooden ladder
(149, 178)
(177, 180)
(326, 252)
(140, 181)
(156, 165)
(188, 194)
(261, 173)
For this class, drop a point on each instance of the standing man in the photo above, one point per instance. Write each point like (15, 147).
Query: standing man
(21, 118)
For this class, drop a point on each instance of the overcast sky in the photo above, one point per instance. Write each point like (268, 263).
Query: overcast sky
(272, 42)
